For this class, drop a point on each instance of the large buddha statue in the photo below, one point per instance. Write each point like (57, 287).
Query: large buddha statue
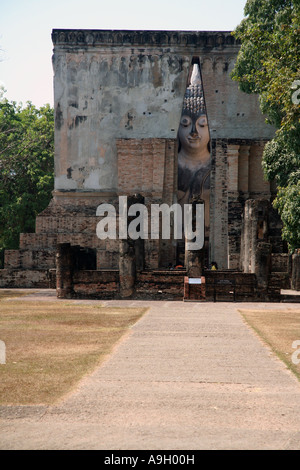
(194, 161)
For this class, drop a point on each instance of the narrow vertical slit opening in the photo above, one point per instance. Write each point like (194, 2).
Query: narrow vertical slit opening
(194, 155)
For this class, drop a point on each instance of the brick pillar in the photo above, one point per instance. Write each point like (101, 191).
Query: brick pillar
(243, 187)
(245, 242)
(243, 175)
(262, 267)
(127, 269)
(64, 271)
(194, 259)
(257, 182)
(254, 235)
(233, 168)
(234, 207)
(131, 256)
(219, 204)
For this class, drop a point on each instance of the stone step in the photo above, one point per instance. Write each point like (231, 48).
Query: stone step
(290, 298)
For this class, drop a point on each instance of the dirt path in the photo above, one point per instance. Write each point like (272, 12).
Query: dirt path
(187, 376)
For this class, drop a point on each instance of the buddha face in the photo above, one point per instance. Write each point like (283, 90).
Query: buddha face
(193, 133)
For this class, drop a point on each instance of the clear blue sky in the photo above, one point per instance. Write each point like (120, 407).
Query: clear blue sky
(26, 25)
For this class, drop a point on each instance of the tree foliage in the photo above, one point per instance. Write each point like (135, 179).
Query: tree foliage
(268, 64)
(26, 167)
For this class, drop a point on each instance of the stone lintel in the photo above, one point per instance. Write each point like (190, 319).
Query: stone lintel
(91, 37)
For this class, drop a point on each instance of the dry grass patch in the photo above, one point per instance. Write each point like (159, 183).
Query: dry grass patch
(279, 329)
(8, 294)
(50, 346)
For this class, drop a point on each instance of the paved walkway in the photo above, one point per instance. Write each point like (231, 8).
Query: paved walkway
(187, 376)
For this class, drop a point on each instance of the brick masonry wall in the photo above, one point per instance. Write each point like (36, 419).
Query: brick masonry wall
(25, 278)
(230, 286)
(96, 284)
(160, 285)
(149, 167)
(30, 258)
(236, 176)
(154, 285)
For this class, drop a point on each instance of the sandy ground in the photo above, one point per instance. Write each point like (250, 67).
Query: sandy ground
(188, 375)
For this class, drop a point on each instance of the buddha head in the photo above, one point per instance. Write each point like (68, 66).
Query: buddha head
(193, 133)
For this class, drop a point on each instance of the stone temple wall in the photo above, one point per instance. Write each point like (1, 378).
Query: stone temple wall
(130, 84)
(111, 86)
(118, 98)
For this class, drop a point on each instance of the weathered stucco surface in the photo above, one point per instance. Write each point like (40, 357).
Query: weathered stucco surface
(131, 84)
(104, 93)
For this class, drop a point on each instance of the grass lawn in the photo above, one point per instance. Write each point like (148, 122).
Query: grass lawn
(50, 346)
(279, 329)
(8, 294)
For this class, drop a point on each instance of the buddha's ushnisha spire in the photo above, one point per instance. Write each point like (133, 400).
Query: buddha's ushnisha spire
(193, 104)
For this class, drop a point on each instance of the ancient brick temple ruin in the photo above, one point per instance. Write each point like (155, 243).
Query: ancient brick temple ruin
(119, 98)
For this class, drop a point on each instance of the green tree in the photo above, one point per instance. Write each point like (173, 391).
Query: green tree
(26, 167)
(268, 64)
